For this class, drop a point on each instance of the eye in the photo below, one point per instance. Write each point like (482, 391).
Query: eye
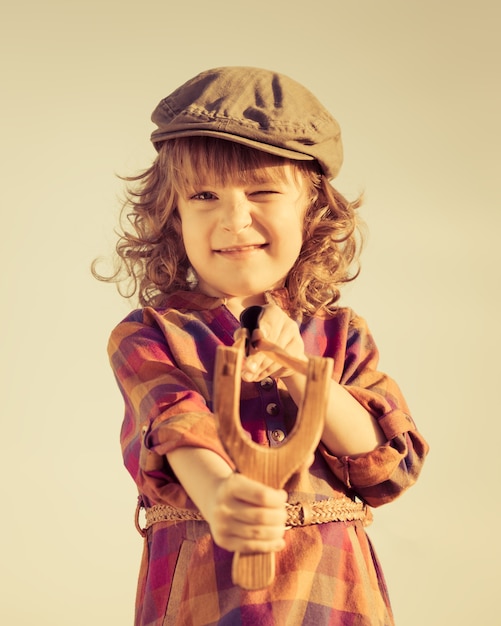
(203, 195)
(265, 192)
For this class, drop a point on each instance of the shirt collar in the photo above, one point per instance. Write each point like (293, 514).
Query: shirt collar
(197, 301)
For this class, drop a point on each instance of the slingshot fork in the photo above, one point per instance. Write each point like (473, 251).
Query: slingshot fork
(270, 466)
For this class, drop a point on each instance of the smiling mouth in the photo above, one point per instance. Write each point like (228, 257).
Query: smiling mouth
(241, 249)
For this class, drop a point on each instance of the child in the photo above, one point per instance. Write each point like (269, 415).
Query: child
(237, 210)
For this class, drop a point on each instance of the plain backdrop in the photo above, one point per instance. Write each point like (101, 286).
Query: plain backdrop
(415, 87)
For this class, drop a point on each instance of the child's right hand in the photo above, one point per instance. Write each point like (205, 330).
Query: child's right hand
(248, 516)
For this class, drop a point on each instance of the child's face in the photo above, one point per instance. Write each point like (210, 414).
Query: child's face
(243, 238)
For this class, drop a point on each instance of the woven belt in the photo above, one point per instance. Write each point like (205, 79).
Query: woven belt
(300, 514)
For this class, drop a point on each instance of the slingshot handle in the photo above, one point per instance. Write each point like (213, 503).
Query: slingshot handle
(252, 571)
(270, 466)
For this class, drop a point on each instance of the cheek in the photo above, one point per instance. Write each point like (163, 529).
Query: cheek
(299, 229)
(187, 243)
(196, 239)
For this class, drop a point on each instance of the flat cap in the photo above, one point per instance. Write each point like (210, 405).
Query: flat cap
(254, 107)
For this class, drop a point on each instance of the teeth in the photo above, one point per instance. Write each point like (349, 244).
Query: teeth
(240, 248)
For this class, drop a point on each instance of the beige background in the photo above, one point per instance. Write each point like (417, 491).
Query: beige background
(415, 86)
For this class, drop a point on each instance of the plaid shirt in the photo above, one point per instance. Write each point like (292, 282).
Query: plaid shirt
(163, 361)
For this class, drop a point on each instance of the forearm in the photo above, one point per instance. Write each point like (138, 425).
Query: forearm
(200, 472)
(350, 430)
(243, 515)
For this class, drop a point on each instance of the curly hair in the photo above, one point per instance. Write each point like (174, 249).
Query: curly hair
(151, 260)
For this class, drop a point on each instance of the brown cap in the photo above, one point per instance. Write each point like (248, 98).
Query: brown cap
(254, 107)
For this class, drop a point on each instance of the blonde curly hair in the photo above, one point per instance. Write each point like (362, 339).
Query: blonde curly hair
(151, 260)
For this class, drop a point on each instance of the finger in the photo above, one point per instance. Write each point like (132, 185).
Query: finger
(249, 522)
(249, 491)
(244, 537)
(286, 349)
(236, 536)
(259, 517)
(265, 531)
(258, 367)
(255, 371)
(245, 546)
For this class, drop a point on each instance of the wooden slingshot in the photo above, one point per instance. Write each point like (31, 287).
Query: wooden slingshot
(270, 466)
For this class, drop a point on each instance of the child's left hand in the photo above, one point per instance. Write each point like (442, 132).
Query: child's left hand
(278, 328)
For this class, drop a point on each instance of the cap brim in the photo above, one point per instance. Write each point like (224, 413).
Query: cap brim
(159, 138)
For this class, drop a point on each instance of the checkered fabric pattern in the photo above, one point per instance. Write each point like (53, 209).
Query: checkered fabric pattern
(328, 574)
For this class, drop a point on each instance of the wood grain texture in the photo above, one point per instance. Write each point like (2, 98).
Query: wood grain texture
(271, 466)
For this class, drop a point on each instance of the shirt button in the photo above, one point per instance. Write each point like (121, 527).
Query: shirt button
(277, 435)
(272, 409)
(267, 383)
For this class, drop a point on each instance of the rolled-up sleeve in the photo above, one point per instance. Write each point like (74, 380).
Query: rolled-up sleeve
(381, 475)
(164, 408)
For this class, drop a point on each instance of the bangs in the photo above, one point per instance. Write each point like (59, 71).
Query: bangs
(196, 161)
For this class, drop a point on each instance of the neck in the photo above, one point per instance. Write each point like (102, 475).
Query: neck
(237, 304)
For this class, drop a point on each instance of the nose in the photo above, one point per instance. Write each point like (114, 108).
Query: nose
(237, 215)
